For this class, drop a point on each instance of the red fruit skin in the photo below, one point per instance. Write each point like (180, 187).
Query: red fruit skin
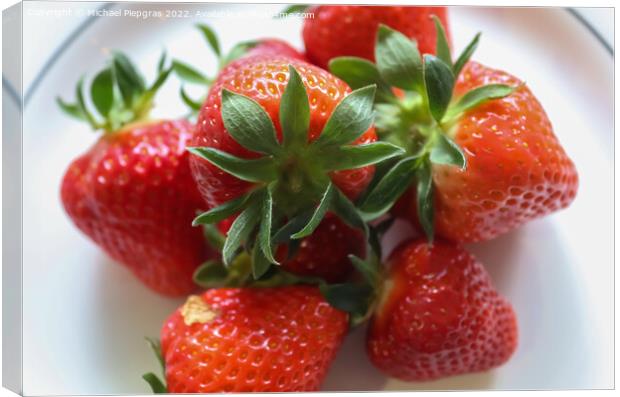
(517, 170)
(133, 194)
(275, 47)
(441, 316)
(260, 340)
(325, 253)
(351, 30)
(264, 78)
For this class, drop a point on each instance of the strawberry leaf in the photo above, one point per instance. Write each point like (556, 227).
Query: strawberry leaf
(358, 73)
(161, 64)
(130, 82)
(189, 74)
(292, 9)
(264, 233)
(211, 274)
(465, 55)
(214, 237)
(155, 346)
(439, 85)
(294, 110)
(239, 50)
(350, 119)
(222, 212)
(357, 156)
(442, 47)
(284, 234)
(157, 386)
(102, 91)
(252, 170)
(188, 101)
(248, 123)
(72, 109)
(425, 198)
(385, 193)
(260, 263)
(445, 151)
(211, 38)
(319, 213)
(398, 60)
(367, 268)
(477, 97)
(346, 210)
(351, 298)
(81, 103)
(241, 229)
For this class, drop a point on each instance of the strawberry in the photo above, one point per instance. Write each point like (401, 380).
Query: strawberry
(279, 339)
(272, 46)
(481, 152)
(439, 315)
(345, 30)
(282, 143)
(132, 192)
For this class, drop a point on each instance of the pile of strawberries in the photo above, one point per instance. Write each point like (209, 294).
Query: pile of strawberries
(276, 198)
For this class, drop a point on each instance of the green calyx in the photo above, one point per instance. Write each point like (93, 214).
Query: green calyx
(191, 75)
(118, 93)
(157, 385)
(419, 121)
(292, 189)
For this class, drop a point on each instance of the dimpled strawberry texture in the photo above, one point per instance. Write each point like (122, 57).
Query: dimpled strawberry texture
(132, 193)
(261, 340)
(275, 47)
(264, 78)
(442, 317)
(351, 30)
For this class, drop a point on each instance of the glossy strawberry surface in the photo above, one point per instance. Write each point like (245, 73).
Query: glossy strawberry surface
(516, 171)
(263, 78)
(439, 315)
(341, 30)
(251, 340)
(132, 193)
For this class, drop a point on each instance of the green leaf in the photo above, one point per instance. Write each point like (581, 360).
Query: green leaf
(358, 73)
(350, 298)
(161, 64)
(238, 51)
(368, 268)
(477, 97)
(260, 263)
(214, 237)
(248, 123)
(211, 274)
(264, 232)
(262, 169)
(211, 38)
(189, 74)
(145, 101)
(387, 191)
(129, 81)
(398, 60)
(445, 151)
(292, 9)
(284, 234)
(241, 229)
(102, 91)
(425, 199)
(357, 156)
(319, 213)
(439, 85)
(81, 103)
(71, 109)
(442, 47)
(465, 55)
(155, 346)
(350, 119)
(156, 384)
(294, 110)
(222, 212)
(345, 209)
(188, 101)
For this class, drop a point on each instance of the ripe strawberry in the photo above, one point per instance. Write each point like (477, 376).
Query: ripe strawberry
(274, 47)
(439, 315)
(480, 147)
(279, 339)
(351, 30)
(132, 192)
(315, 137)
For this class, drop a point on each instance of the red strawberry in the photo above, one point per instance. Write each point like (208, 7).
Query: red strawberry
(132, 192)
(274, 47)
(251, 340)
(480, 147)
(350, 30)
(300, 146)
(516, 168)
(439, 315)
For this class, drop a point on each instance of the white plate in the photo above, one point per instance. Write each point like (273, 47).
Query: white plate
(84, 317)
